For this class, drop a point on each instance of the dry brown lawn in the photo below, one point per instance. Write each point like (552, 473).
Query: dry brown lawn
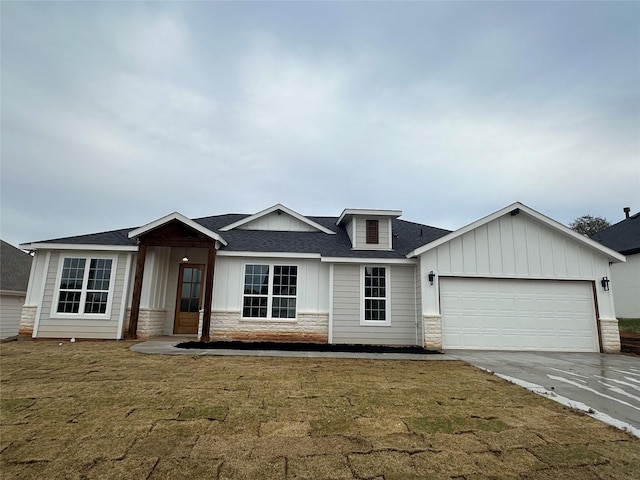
(93, 410)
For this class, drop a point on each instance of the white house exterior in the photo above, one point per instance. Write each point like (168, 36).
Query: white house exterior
(517, 280)
(624, 237)
(514, 280)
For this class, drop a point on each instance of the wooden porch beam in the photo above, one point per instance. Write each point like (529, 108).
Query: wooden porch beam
(137, 291)
(208, 293)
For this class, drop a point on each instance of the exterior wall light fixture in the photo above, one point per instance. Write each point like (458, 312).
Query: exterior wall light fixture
(185, 259)
(605, 283)
(431, 277)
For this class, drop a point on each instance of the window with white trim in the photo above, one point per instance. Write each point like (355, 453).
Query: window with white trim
(270, 291)
(84, 286)
(375, 296)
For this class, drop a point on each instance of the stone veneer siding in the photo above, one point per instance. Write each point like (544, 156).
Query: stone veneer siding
(610, 335)
(27, 320)
(308, 327)
(151, 322)
(432, 325)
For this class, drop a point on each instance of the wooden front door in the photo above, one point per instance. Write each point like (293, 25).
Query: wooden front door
(189, 298)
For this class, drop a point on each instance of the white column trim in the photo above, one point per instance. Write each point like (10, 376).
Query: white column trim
(330, 334)
(125, 293)
(36, 322)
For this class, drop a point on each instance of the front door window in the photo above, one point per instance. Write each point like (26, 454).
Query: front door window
(189, 299)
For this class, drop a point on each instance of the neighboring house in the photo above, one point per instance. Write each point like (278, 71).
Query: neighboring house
(624, 237)
(15, 266)
(514, 280)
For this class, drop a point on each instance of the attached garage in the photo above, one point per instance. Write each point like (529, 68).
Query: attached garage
(517, 280)
(507, 314)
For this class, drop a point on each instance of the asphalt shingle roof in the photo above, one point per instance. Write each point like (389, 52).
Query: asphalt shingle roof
(15, 266)
(407, 236)
(623, 237)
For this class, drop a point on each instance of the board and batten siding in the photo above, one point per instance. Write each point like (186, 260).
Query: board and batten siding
(312, 291)
(514, 247)
(281, 222)
(68, 327)
(347, 300)
(384, 225)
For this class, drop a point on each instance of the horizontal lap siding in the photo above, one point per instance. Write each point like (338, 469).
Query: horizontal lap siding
(10, 311)
(80, 327)
(346, 308)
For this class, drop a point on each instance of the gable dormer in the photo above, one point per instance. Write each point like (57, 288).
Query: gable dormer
(369, 229)
(280, 219)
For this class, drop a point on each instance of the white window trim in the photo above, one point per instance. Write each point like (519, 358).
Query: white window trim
(270, 293)
(387, 298)
(83, 294)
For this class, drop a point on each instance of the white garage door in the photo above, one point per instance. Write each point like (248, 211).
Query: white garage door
(492, 314)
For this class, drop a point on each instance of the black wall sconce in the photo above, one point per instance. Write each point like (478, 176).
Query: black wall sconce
(431, 277)
(605, 283)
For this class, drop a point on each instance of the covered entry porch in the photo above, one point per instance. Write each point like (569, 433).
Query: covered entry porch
(173, 278)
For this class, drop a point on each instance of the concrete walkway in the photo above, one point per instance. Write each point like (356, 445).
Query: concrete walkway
(164, 347)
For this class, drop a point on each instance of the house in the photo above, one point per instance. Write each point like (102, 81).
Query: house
(624, 237)
(514, 280)
(15, 266)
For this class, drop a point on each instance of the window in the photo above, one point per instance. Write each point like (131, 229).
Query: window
(84, 287)
(372, 231)
(376, 301)
(270, 291)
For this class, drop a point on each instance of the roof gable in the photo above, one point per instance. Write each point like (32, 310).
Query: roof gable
(175, 216)
(269, 220)
(516, 209)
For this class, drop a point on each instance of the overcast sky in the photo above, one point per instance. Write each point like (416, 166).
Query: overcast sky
(117, 113)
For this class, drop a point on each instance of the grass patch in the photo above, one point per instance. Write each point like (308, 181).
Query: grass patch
(629, 325)
(454, 424)
(98, 410)
(207, 413)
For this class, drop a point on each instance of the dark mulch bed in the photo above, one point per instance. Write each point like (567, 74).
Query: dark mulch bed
(305, 347)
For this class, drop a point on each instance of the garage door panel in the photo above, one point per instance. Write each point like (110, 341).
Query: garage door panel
(501, 314)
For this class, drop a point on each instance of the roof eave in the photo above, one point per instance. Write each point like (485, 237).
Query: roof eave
(350, 212)
(77, 246)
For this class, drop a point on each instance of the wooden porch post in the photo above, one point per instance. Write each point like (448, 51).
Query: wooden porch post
(137, 290)
(208, 293)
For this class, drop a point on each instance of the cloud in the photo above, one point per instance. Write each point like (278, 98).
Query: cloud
(115, 114)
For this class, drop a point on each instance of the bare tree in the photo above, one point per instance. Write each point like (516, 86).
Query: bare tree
(589, 225)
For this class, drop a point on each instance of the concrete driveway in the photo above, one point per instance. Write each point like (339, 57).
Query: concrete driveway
(606, 387)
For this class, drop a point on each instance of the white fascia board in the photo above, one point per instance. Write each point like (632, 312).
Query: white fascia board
(613, 255)
(377, 261)
(78, 246)
(182, 219)
(370, 212)
(224, 253)
(277, 206)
